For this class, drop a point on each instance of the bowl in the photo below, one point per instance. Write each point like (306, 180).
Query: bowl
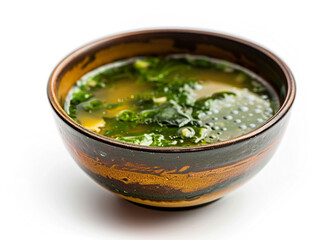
(171, 177)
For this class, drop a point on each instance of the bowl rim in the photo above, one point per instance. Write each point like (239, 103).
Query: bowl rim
(286, 105)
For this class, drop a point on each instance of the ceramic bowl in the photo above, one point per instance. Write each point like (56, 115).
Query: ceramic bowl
(171, 176)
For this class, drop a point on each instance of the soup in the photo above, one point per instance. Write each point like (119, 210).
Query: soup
(171, 101)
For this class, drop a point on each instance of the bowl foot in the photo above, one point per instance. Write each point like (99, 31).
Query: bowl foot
(172, 209)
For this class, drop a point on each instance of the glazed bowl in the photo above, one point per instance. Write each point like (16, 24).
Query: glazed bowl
(171, 176)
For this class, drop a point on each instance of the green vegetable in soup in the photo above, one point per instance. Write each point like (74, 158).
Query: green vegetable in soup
(92, 105)
(177, 100)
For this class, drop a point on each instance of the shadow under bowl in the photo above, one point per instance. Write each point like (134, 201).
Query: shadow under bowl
(171, 176)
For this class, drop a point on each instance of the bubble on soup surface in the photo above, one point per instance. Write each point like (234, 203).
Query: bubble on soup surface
(243, 108)
(228, 117)
(243, 126)
(237, 121)
(252, 125)
(260, 120)
(234, 112)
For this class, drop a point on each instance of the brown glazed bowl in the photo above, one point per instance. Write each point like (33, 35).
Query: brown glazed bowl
(171, 176)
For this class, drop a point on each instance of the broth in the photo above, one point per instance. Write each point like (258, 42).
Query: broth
(177, 100)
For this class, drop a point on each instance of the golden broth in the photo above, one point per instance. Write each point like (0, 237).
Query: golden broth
(190, 104)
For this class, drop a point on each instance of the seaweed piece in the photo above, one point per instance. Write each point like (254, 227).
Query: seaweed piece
(92, 105)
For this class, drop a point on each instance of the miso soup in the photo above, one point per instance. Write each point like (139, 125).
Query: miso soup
(171, 101)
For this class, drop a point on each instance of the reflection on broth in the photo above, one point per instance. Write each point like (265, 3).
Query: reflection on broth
(177, 100)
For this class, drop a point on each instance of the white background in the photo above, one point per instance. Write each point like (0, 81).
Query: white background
(45, 195)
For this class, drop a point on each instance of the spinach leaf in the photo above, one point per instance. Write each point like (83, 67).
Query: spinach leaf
(222, 95)
(127, 116)
(202, 63)
(169, 113)
(80, 96)
(92, 105)
(222, 65)
(142, 65)
(112, 105)
(179, 90)
(207, 104)
(157, 69)
(77, 98)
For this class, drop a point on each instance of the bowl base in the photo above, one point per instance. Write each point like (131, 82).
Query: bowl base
(172, 209)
